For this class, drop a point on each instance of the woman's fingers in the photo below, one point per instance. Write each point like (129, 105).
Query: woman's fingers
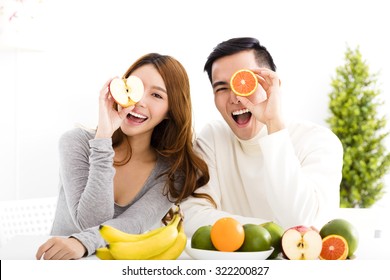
(44, 248)
(58, 248)
(104, 92)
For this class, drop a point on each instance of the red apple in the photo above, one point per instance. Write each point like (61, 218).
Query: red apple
(301, 243)
(126, 92)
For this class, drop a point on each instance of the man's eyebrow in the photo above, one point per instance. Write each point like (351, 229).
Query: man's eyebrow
(159, 88)
(221, 83)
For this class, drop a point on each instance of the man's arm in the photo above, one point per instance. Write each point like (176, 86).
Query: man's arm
(304, 173)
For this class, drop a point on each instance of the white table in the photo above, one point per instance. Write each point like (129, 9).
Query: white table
(19, 252)
(24, 247)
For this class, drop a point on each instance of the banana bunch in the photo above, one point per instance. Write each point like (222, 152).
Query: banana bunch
(163, 243)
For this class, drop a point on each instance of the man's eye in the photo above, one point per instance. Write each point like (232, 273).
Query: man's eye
(222, 89)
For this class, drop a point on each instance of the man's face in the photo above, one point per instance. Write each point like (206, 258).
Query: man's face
(239, 119)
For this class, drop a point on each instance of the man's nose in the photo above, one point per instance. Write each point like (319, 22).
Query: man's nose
(233, 98)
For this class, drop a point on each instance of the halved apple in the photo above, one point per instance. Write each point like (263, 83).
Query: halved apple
(126, 92)
(301, 243)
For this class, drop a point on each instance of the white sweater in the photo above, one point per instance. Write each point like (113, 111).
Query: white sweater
(291, 177)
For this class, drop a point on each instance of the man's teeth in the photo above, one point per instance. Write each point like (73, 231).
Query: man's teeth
(240, 112)
(137, 115)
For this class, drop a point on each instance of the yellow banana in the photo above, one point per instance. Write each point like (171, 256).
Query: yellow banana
(146, 248)
(111, 234)
(176, 249)
(104, 254)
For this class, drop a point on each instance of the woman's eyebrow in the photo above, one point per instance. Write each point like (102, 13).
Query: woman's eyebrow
(159, 88)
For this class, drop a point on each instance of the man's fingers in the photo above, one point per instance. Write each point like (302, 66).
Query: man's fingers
(270, 77)
(246, 102)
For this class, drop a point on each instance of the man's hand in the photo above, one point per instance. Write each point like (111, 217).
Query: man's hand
(268, 111)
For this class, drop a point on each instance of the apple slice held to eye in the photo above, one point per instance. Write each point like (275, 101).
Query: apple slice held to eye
(126, 92)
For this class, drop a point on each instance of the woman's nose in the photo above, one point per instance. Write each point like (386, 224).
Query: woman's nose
(141, 102)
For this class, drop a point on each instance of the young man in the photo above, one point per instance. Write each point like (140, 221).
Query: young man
(262, 166)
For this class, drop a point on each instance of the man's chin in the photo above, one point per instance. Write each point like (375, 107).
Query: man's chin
(243, 132)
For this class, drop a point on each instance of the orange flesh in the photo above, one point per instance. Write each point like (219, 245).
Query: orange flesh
(243, 82)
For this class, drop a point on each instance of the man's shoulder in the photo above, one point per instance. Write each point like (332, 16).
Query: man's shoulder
(215, 129)
(216, 134)
(304, 129)
(308, 126)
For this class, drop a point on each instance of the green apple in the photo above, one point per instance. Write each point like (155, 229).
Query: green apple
(256, 239)
(276, 232)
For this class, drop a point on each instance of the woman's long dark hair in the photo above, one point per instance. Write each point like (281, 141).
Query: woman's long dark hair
(173, 137)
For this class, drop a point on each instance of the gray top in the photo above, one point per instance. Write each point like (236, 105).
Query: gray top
(86, 194)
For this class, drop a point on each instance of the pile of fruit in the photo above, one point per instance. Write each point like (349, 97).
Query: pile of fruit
(228, 235)
(163, 243)
(337, 239)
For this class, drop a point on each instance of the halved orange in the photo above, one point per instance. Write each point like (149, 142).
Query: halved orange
(243, 82)
(334, 247)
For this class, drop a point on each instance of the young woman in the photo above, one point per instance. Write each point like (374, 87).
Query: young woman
(133, 168)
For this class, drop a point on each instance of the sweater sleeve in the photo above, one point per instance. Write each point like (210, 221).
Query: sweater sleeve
(303, 178)
(87, 172)
(141, 216)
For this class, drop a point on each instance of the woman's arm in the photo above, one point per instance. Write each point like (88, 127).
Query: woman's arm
(87, 172)
(141, 216)
(138, 218)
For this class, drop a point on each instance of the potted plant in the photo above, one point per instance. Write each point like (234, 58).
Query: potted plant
(355, 119)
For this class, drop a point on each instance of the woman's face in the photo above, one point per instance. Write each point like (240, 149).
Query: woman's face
(152, 108)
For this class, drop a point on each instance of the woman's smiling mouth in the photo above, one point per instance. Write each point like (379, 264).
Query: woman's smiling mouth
(135, 117)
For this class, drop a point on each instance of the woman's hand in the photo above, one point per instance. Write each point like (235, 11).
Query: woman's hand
(61, 248)
(109, 118)
(268, 111)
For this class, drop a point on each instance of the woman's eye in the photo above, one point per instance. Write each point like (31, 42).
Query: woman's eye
(156, 95)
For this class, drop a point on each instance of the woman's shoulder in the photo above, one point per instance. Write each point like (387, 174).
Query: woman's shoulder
(78, 134)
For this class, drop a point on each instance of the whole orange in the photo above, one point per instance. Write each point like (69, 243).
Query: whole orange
(227, 234)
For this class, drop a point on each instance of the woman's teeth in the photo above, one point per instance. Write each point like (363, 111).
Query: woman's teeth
(137, 115)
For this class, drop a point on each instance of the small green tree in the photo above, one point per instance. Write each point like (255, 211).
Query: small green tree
(354, 119)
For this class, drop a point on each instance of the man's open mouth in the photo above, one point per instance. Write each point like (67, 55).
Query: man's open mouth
(135, 117)
(242, 116)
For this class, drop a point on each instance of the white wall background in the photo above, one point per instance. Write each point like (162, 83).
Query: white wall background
(81, 44)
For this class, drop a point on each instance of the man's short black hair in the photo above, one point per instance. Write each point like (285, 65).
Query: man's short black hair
(235, 45)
